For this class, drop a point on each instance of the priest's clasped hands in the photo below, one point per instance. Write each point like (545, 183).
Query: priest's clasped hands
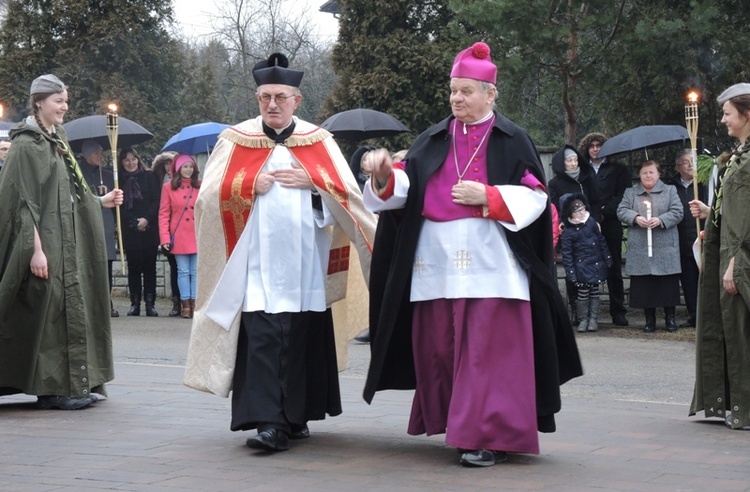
(288, 178)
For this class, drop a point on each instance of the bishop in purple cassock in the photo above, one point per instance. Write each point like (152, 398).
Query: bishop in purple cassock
(464, 303)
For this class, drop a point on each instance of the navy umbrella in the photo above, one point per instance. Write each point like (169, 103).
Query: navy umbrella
(195, 139)
(95, 128)
(644, 138)
(362, 124)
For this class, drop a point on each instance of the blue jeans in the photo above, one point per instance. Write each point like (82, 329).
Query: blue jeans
(187, 270)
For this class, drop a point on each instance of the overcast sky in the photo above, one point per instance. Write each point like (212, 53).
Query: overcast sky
(194, 16)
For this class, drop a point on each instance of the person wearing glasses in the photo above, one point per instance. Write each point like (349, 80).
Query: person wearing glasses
(683, 181)
(277, 215)
(611, 179)
(464, 307)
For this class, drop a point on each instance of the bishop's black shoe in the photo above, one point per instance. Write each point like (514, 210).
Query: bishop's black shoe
(270, 440)
(483, 457)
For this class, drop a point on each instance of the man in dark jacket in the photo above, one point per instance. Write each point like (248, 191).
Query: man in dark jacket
(687, 230)
(611, 178)
(570, 177)
(101, 180)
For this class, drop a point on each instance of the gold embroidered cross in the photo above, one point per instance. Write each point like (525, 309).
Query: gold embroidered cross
(235, 204)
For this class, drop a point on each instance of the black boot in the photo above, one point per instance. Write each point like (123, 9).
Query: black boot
(573, 313)
(669, 319)
(149, 300)
(112, 311)
(650, 320)
(176, 307)
(135, 305)
(572, 292)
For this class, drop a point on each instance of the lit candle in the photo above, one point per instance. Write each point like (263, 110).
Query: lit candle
(648, 231)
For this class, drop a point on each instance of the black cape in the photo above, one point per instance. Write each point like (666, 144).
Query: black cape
(510, 154)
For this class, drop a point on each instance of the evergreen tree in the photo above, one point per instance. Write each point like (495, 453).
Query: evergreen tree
(104, 50)
(670, 48)
(394, 56)
(545, 52)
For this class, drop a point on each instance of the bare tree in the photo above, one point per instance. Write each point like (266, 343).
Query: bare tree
(250, 30)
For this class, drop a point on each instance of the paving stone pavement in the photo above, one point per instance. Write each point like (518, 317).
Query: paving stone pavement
(154, 434)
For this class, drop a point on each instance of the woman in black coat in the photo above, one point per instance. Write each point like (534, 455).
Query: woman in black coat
(140, 229)
(570, 177)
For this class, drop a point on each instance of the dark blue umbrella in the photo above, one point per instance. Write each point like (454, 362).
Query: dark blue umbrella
(644, 138)
(195, 139)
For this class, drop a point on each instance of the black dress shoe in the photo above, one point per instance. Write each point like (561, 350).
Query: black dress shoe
(50, 402)
(300, 432)
(483, 457)
(114, 313)
(269, 440)
(619, 320)
(688, 324)
(363, 337)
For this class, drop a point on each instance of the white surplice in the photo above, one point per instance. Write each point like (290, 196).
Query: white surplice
(467, 258)
(288, 249)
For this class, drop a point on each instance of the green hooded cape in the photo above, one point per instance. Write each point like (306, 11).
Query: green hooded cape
(55, 336)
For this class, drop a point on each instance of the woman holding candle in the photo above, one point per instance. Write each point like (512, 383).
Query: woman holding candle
(652, 210)
(722, 386)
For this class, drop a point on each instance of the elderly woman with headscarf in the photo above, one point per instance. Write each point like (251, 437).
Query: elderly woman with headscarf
(570, 177)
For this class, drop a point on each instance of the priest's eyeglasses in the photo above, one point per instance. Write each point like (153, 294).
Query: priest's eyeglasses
(278, 98)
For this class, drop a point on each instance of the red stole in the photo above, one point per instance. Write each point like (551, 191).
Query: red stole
(237, 191)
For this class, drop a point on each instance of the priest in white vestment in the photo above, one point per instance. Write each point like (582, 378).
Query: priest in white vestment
(278, 214)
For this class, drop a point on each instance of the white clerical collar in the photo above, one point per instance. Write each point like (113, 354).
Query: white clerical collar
(280, 130)
(478, 122)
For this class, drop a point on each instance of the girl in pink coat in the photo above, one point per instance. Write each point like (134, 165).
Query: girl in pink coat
(177, 226)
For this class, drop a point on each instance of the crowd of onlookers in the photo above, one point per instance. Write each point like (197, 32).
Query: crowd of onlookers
(594, 198)
(157, 215)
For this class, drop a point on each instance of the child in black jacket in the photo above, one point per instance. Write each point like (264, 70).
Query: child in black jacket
(585, 256)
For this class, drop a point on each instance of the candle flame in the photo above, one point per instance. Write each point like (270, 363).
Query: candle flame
(112, 107)
(693, 97)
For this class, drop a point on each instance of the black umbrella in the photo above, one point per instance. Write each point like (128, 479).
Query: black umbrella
(5, 127)
(362, 124)
(95, 127)
(643, 138)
